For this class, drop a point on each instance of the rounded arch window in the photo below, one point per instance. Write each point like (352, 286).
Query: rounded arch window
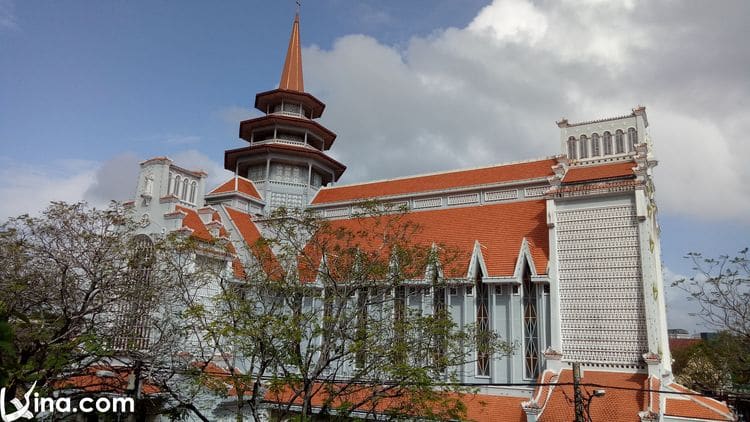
(170, 182)
(619, 141)
(193, 188)
(584, 146)
(185, 183)
(572, 150)
(632, 138)
(595, 147)
(176, 190)
(607, 143)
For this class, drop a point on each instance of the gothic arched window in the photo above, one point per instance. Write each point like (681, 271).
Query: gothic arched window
(176, 190)
(530, 327)
(184, 195)
(584, 146)
(483, 327)
(193, 188)
(595, 147)
(607, 143)
(170, 183)
(632, 138)
(572, 150)
(619, 141)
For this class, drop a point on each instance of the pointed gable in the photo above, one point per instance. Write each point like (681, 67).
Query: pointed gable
(238, 184)
(499, 229)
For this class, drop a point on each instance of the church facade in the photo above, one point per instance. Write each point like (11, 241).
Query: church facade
(564, 253)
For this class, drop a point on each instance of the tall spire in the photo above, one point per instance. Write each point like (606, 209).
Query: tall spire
(291, 75)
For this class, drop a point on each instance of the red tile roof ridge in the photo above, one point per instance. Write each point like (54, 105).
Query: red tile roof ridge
(707, 402)
(197, 173)
(545, 391)
(226, 187)
(437, 173)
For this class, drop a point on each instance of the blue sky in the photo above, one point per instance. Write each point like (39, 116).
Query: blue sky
(89, 88)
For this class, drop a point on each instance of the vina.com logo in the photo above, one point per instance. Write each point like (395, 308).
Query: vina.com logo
(41, 405)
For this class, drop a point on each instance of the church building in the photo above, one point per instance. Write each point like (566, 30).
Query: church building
(564, 251)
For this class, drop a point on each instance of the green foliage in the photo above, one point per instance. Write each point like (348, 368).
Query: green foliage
(58, 274)
(720, 289)
(324, 319)
(720, 363)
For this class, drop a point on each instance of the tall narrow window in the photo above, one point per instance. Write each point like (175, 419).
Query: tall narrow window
(584, 146)
(399, 323)
(132, 328)
(193, 188)
(530, 328)
(176, 190)
(619, 142)
(595, 147)
(607, 143)
(572, 149)
(170, 183)
(632, 138)
(361, 332)
(184, 193)
(483, 328)
(440, 312)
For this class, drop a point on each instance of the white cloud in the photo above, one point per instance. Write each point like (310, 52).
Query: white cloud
(492, 91)
(115, 179)
(511, 20)
(196, 160)
(28, 188)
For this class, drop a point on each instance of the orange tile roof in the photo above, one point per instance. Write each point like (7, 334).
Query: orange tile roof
(618, 404)
(291, 75)
(691, 409)
(499, 228)
(440, 181)
(255, 243)
(395, 399)
(605, 171)
(243, 185)
(92, 380)
(193, 221)
(719, 409)
(682, 343)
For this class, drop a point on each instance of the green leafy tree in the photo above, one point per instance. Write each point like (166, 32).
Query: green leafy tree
(324, 321)
(59, 273)
(720, 289)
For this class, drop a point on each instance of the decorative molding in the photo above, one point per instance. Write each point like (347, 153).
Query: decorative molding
(336, 212)
(427, 203)
(602, 311)
(469, 198)
(500, 195)
(536, 191)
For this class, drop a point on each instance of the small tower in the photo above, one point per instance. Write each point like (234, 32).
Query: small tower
(286, 156)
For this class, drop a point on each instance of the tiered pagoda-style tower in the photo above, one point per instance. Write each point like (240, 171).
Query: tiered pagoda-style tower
(286, 157)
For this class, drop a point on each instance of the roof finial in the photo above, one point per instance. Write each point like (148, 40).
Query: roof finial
(291, 75)
(299, 4)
